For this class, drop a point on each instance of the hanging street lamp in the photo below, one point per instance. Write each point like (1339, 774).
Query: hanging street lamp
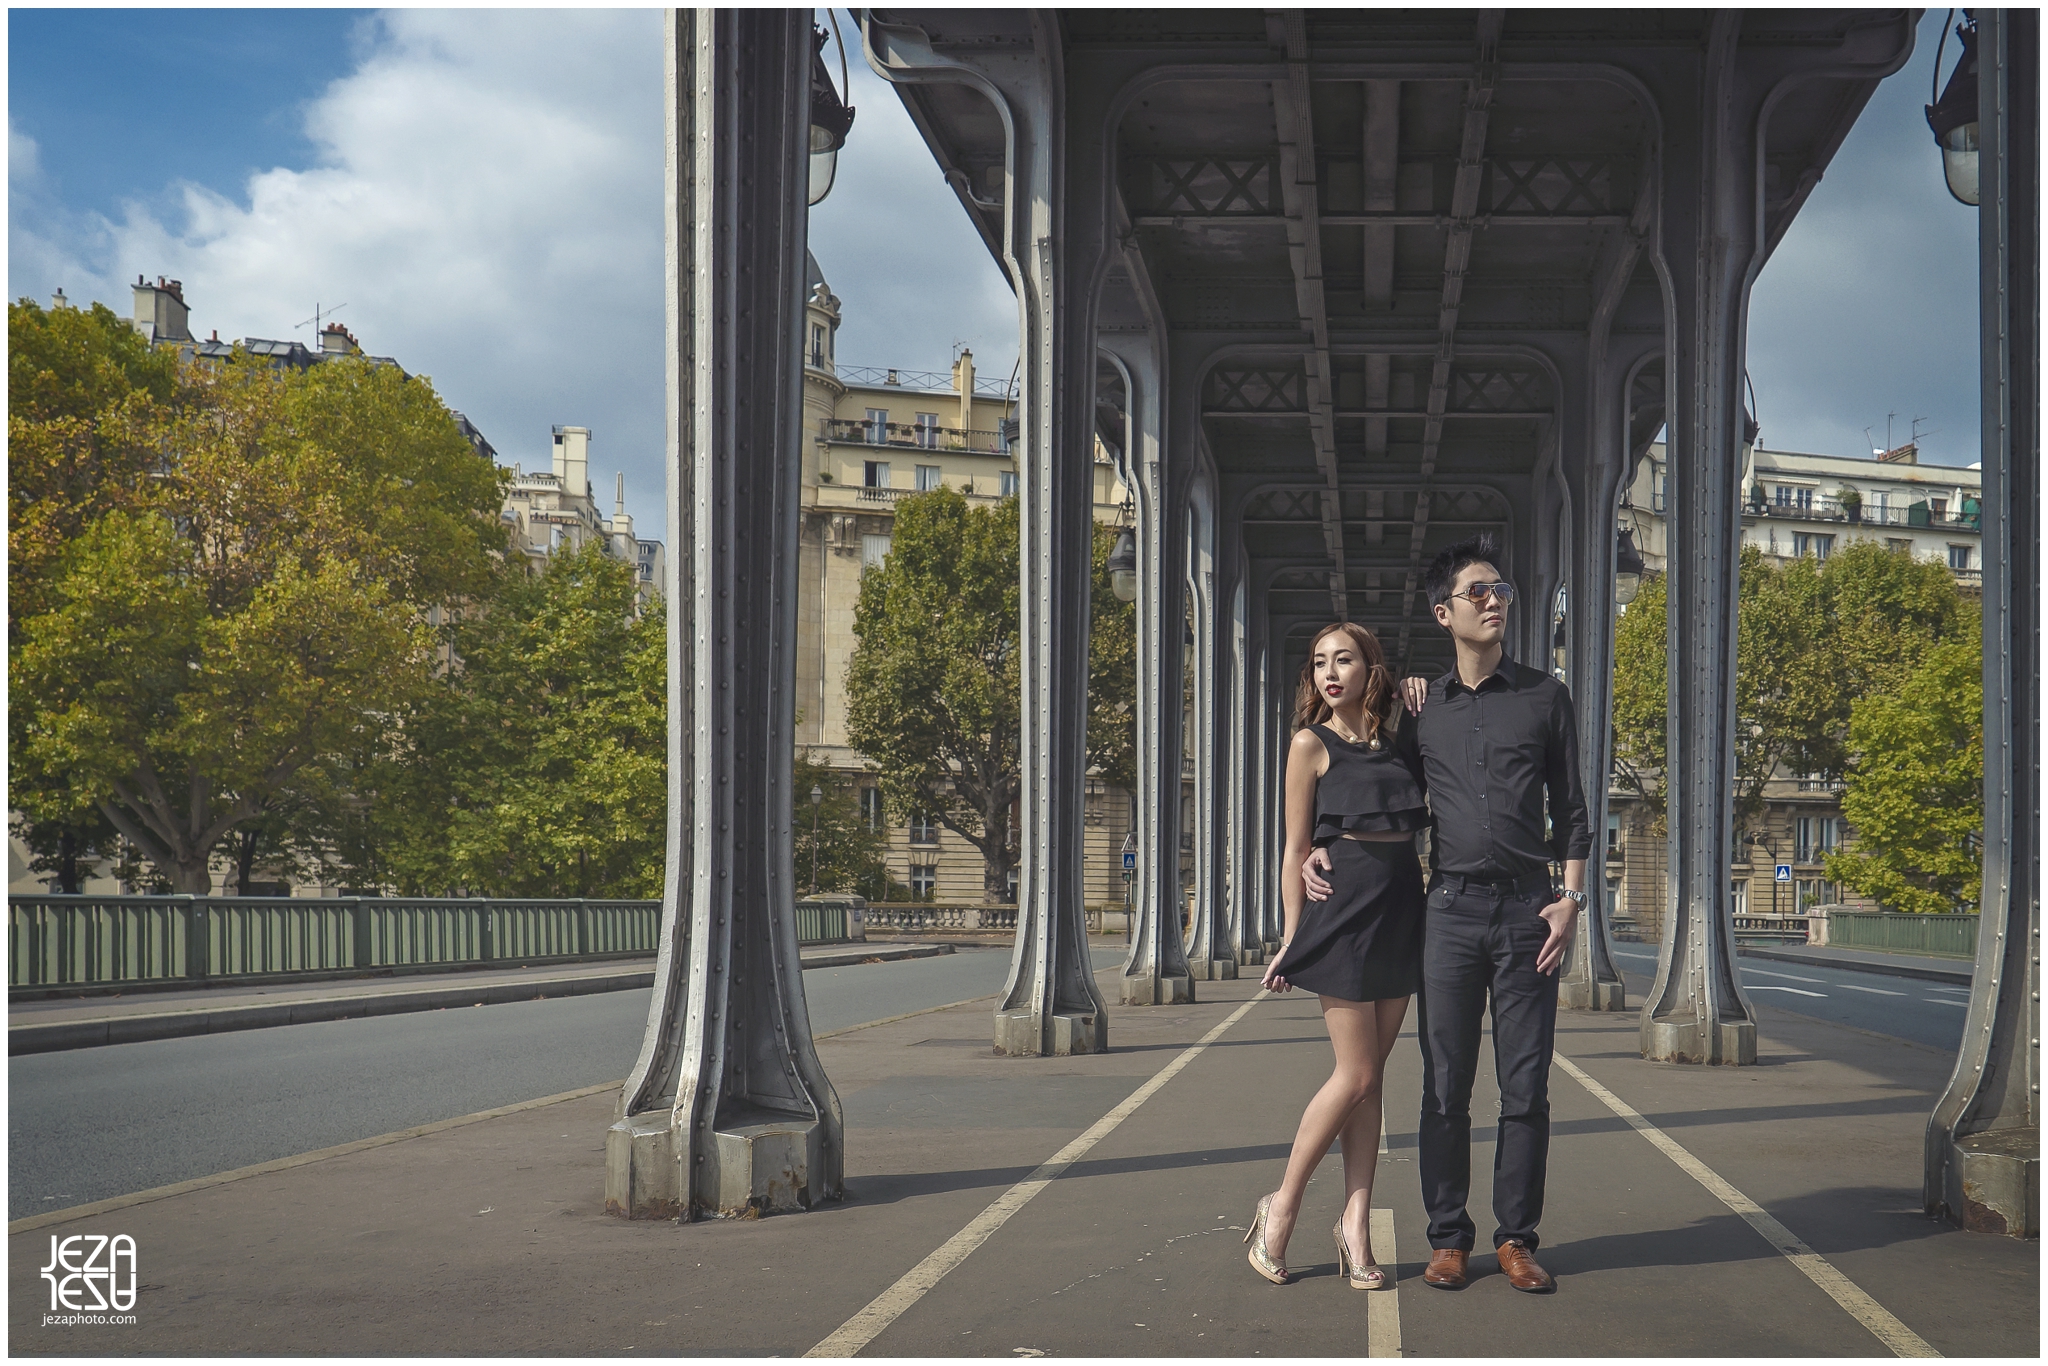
(1628, 568)
(831, 115)
(1123, 566)
(1953, 116)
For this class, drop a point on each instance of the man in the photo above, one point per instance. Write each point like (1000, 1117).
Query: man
(1497, 739)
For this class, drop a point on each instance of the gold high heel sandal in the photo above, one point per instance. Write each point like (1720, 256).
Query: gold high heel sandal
(1261, 1260)
(1361, 1277)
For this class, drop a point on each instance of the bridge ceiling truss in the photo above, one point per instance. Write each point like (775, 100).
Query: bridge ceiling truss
(1408, 197)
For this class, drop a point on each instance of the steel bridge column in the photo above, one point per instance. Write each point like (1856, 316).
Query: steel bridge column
(1260, 874)
(1156, 970)
(1241, 848)
(1707, 252)
(1594, 421)
(1984, 1137)
(1211, 955)
(727, 1109)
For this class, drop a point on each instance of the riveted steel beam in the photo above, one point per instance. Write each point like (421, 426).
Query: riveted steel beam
(1212, 955)
(1983, 1148)
(727, 1109)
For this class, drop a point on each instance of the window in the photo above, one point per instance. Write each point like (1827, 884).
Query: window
(928, 478)
(875, 474)
(1898, 545)
(1010, 885)
(1959, 557)
(1937, 508)
(928, 431)
(878, 426)
(818, 345)
(923, 829)
(1738, 896)
(924, 881)
(873, 550)
(1880, 504)
(1793, 500)
(1816, 544)
(1006, 483)
(1814, 836)
(871, 807)
(1656, 488)
(1613, 833)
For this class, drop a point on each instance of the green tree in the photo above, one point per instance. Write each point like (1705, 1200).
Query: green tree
(209, 641)
(932, 688)
(537, 764)
(848, 851)
(1915, 789)
(1640, 681)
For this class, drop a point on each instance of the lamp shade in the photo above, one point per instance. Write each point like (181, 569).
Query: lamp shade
(1628, 568)
(1123, 567)
(831, 117)
(1953, 119)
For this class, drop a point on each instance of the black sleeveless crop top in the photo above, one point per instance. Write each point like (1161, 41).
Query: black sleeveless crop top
(1366, 789)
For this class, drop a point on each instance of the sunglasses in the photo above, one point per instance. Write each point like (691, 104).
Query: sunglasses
(1480, 592)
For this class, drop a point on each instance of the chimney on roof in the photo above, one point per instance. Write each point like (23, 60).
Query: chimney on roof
(1908, 454)
(338, 340)
(160, 311)
(963, 384)
(58, 300)
(572, 460)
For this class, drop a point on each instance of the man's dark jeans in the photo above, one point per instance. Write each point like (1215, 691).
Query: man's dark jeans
(1479, 944)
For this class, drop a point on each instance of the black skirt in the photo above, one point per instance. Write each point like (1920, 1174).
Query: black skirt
(1365, 942)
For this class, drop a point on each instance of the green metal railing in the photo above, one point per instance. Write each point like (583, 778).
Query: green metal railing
(61, 941)
(1944, 936)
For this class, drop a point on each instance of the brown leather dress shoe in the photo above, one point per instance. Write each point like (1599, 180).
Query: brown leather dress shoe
(1447, 1268)
(1522, 1271)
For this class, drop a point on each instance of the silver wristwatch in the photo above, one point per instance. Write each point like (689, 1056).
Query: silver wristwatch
(1579, 897)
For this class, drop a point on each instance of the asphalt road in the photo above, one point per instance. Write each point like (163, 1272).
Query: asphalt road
(99, 1122)
(1928, 1013)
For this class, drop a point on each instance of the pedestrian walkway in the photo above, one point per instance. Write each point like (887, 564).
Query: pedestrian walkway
(489, 1238)
(59, 1023)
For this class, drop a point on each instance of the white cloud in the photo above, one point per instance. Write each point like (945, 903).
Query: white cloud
(486, 200)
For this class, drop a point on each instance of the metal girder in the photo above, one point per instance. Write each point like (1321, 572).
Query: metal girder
(1155, 972)
(1054, 248)
(1237, 775)
(1299, 190)
(727, 1109)
(1457, 256)
(1212, 956)
(1983, 1147)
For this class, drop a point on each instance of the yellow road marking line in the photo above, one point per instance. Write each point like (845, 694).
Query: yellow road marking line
(857, 1332)
(1896, 1336)
(1383, 1308)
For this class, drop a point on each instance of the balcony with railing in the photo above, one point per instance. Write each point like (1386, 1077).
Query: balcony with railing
(919, 381)
(913, 436)
(1923, 514)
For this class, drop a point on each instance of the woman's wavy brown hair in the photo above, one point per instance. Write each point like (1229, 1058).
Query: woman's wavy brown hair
(1311, 708)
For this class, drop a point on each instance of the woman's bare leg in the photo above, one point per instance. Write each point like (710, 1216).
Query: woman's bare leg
(1354, 1084)
(1360, 1137)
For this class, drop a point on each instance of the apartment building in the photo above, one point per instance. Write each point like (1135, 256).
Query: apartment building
(873, 435)
(556, 509)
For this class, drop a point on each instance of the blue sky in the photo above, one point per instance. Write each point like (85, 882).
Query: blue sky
(481, 188)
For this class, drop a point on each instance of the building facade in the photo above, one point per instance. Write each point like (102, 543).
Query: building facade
(871, 437)
(1795, 504)
(556, 509)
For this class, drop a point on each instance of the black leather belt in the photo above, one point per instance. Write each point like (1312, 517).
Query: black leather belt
(1526, 885)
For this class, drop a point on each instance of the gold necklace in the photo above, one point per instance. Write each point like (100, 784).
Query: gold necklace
(1348, 738)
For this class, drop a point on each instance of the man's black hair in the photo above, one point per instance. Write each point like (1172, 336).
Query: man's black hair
(1444, 569)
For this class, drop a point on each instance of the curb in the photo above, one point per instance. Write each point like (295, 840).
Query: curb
(119, 1029)
(1957, 978)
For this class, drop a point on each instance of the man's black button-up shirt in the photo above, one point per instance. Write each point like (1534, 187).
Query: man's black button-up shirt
(1490, 755)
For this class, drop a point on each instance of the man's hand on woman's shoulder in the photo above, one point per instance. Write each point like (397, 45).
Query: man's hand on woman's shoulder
(1415, 692)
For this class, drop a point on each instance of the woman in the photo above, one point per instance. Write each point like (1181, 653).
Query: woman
(1354, 786)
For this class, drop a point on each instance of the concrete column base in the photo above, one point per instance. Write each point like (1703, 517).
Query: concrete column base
(1147, 990)
(1592, 996)
(1250, 958)
(1728, 1043)
(758, 1163)
(1018, 1034)
(1212, 969)
(1994, 1183)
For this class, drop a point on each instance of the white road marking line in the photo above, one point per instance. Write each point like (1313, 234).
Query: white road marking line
(1383, 1307)
(857, 1332)
(1766, 972)
(1944, 1001)
(1874, 991)
(1796, 991)
(1901, 1340)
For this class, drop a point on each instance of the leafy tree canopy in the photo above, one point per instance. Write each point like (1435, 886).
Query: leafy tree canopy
(1915, 791)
